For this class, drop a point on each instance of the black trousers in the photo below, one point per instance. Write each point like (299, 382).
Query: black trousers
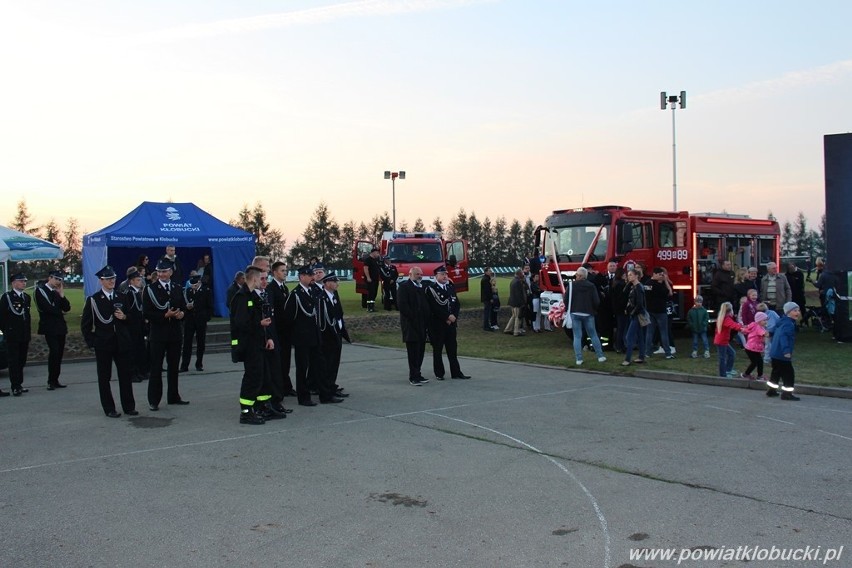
(755, 362)
(273, 379)
(308, 370)
(284, 351)
(17, 354)
(138, 358)
(252, 384)
(416, 352)
(55, 351)
(171, 351)
(104, 359)
(197, 329)
(783, 374)
(444, 338)
(331, 352)
(372, 292)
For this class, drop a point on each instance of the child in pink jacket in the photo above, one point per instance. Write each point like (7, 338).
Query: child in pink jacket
(755, 333)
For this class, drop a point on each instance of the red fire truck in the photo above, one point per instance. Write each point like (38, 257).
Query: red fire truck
(426, 250)
(688, 245)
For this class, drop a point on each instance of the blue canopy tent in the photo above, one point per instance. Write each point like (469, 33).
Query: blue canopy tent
(149, 228)
(17, 246)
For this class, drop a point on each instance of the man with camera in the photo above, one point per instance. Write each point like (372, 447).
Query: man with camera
(52, 306)
(104, 327)
(164, 307)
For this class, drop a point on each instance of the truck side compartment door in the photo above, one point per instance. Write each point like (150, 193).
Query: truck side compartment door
(457, 264)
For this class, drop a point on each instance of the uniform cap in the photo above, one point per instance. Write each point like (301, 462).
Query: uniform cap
(105, 273)
(165, 264)
(132, 273)
(441, 268)
(789, 307)
(318, 266)
(58, 274)
(194, 279)
(330, 277)
(17, 276)
(306, 270)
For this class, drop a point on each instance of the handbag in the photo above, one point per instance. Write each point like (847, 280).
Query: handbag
(568, 321)
(644, 318)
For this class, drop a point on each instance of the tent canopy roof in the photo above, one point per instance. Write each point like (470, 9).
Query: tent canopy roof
(17, 246)
(163, 224)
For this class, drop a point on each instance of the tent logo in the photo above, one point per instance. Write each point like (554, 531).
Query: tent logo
(172, 214)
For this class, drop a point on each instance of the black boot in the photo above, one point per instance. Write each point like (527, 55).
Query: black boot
(786, 395)
(249, 416)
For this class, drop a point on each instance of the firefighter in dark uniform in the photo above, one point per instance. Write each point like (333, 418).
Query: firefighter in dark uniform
(301, 318)
(269, 404)
(15, 321)
(163, 307)
(104, 327)
(333, 331)
(389, 275)
(199, 309)
(52, 306)
(372, 275)
(136, 325)
(443, 324)
(278, 292)
(413, 318)
(249, 339)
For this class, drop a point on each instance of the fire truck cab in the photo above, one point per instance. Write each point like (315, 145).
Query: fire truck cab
(689, 246)
(426, 250)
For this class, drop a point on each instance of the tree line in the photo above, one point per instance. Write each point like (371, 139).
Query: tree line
(491, 242)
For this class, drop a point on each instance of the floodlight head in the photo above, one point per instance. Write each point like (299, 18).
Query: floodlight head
(663, 100)
(387, 174)
(683, 99)
(401, 175)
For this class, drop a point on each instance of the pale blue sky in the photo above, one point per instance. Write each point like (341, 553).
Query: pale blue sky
(502, 107)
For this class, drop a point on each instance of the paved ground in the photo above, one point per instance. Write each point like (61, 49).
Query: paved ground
(521, 466)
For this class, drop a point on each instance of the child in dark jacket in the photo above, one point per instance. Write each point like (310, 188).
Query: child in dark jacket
(725, 324)
(781, 352)
(698, 320)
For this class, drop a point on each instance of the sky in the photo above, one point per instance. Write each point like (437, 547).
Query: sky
(501, 107)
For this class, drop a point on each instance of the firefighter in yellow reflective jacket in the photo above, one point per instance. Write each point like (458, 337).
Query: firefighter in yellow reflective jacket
(249, 338)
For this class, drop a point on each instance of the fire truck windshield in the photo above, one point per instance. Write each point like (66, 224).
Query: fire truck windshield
(573, 243)
(421, 252)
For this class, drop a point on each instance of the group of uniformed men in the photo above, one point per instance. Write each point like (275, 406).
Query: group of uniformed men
(268, 320)
(134, 327)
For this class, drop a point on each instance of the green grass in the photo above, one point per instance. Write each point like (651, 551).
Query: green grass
(818, 359)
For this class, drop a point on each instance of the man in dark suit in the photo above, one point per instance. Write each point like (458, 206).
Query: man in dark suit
(104, 327)
(239, 280)
(52, 306)
(163, 306)
(136, 325)
(177, 266)
(443, 324)
(199, 309)
(15, 321)
(333, 331)
(278, 292)
(302, 318)
(413, 317)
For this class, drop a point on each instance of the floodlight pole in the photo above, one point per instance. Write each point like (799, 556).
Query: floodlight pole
(672, 102)
(392, 176)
